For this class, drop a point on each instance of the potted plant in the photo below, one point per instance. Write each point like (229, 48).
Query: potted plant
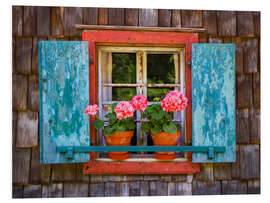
(161, 127)
(119, 130)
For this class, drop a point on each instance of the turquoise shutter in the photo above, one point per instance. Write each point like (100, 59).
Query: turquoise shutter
(213, 100)
(64, 94)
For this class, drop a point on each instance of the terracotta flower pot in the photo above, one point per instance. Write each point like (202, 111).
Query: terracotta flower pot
(165, 139)
(119, 139)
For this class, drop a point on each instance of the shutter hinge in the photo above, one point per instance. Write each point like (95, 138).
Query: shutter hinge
(70, 154)
(211, 152)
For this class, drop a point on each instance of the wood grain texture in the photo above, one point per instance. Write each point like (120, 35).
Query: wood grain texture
(254, 187)
(14, 127)
(236, 165)
(234, 187)
(144, 188)
(97, 189)
(17, 192)
(222, 171)
(40, 173)
(215, 40)
(244, 91)
(171, 188)
(35, 53)
(191, 18)
(176, 18)
(63, 71)
(73, 15)
(33, 93)
(17, 20)
(19, 92)
(13, 55)
(134, 188)
(164, 17)
(243, 126)
(52, 190)
(131, 16)
(32, 191)
(250, 161)
(210, 22)
(43, 21)
(226, 23)
(256, 90)
(116, 16)
(112, 189)
(23, 55)
(213, 103)
(27, 129)
(251, 56)
(206, 172)
(57, 21)
(148, 17)
(158, 188)
(206, 188)
(64, 173)
(255, 117)
(29, 21)
(245, 26)
(124, 189)
(257, 23)
(103, 16)
(76, 190)
(90, 16)
(20, 166)
(239, 55)
(182, 188)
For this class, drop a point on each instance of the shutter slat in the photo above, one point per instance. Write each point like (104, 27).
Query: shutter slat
(213, 100)
(64, 94)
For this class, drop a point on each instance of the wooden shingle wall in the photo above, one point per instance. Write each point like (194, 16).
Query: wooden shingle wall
(30, 179)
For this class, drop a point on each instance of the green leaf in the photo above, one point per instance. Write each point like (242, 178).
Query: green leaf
(156, 129)
(130, 125)
(98, 124)
(108, 131)
(157, 115)
(146, 127)
(170, 128)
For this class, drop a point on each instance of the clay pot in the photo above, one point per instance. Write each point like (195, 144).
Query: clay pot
(119, 139)
(165, 139)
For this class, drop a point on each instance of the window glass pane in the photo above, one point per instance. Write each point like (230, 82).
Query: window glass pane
(123, 93)
(123, 68)
(160, 69)
(157, 94)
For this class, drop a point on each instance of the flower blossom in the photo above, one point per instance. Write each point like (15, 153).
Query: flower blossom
(91, 110)
(123, 110)
(139, 102)
(174, 101)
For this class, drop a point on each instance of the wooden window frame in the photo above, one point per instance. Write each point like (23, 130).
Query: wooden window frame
(138, 38)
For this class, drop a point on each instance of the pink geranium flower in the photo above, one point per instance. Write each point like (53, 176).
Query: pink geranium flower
(139, 102)
(174, 101)
(91, 110)
(123, 110)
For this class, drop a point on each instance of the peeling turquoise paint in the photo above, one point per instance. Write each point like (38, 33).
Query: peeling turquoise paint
(213, 100)
(64, 94)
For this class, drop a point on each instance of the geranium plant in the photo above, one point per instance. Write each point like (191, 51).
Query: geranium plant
(160, 116)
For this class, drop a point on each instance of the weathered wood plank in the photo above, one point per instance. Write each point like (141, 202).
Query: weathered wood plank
(80, 176)
(17, 191)
(206, 188)
(19, 92)
(244, 90)
(32, 191)
(97, 189)
(17, 20)
(43, 21)
(103, 16)
(251, 55)
(250, 161)
(112, 189)
(144, 188)
(226, 23)
(23, 55)
(151, 177)
(171, 189)
(124, 189)
(63, 71)
(134, 188)
(158, 188)
(191, 18)
(13, 55)
(35, 53)
(179, 178)
(90, 16)
(183, 188)
(257, 23)
(73, 15)
(215, 40)
(33, 93)
(40, 173)
(131, 16)
(206, 172)
(57, 21)
(27, 129)
(76, 189)
(222, 171)
(134, 177)
(210, 22)
(255, 117)
(243, 126)
(254, 187)
(164, 17)
(256, 90)
(64, 173)
(239, 55)
(234, 187)
(148, 17)
(14, 127)
(176, 18)
(213, 66)
(116, 16)
(245, 26)
(113, 178)
(236, 165)
(96, 178)
(20, 166)
(52, 190)
(29, 20)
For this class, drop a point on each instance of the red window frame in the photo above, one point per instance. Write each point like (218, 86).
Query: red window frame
(109, 37)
